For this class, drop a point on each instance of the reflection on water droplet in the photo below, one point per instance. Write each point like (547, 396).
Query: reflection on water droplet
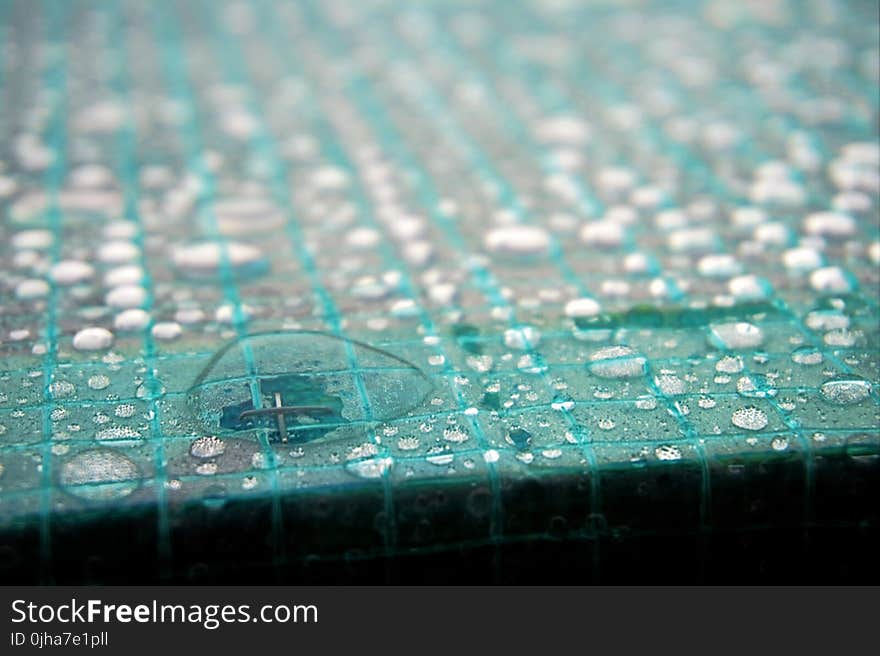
(99, 475)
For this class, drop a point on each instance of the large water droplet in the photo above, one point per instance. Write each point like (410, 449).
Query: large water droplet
(302, 385)
(749, 418)
(99, 475)
(845, 390)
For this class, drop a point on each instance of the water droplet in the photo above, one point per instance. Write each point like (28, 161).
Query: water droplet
(670, 385)
(62, 388)
(617, 362)
(311, 371)
(829, 224)
(99, 475)
(92, 339)
(455, 434)
(646, 402)
(518, 240)
(522, 338)
(826, 320)
(167, 330)
(845, 390)
(807, 355)
(408, 443)
(126, 296)
(207, 447)
(779, 443)
(729, 364)
(99, 382)
(520, 438)
(206, 469)
(132, 319)
(832, 280)
(372, 468)
(735, 335)
(125, 410)
(749, 418)
(71, 272)
(667, 452)
(756, 386)
(207, 259)
(32, 288)
(117, 433)
(582, 307)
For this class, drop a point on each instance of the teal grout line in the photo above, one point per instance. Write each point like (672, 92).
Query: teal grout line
(590, 206)
(266, 146)
(358, 91)
(507, 413)
(56, 79)
(430, 330)
(689, 432)
(806, 445)
(576, 428)
(492, 340)
(496, 518)
(130, 185)
(500, 375)
(686, 427)
(695, 162)
(786, 417)
(617, 447)
(229, 285)
(194, 155)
